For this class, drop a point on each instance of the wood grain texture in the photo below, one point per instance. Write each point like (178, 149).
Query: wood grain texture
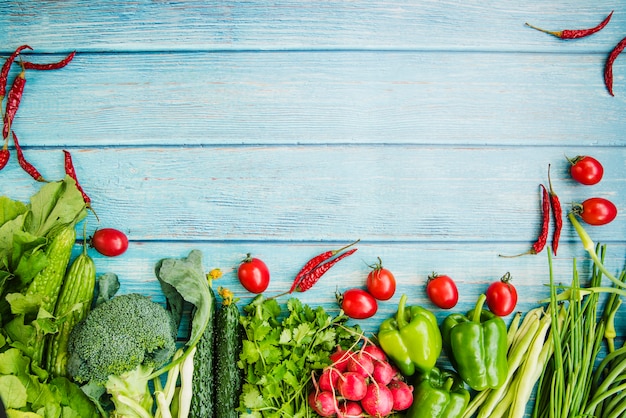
(324, 97)
(145, 25)
(287, 128)
(382, 193)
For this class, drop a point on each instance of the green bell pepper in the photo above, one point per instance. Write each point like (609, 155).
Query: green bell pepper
(411, 338)
(477, 347)
(438, 394)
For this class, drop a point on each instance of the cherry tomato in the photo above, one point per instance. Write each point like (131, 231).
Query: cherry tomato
(586, 170)
(501, 296)
(381, 282)
(358, 303)
(253, 274)
(109, 242)
(442, 291)
(596, 211)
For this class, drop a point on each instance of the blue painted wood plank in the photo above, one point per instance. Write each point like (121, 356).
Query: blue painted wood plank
(372, 24)
(381, 193)
(473, 267)
(324, 98)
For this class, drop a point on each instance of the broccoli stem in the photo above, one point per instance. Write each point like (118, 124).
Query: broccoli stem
(130, 393)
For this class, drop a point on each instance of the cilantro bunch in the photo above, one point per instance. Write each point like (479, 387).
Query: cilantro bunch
(282, 350)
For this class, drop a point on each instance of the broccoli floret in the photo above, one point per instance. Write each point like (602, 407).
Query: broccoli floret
(119, 344)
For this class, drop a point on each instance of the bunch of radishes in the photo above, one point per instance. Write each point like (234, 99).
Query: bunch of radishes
(360, 383)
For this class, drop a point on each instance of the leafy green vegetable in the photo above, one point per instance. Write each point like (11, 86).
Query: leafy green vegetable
(21, 388)
(186, 277)
(24, 230)
(279, 354)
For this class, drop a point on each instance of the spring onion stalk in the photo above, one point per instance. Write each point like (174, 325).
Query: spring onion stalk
(590, 247)
(569, 386)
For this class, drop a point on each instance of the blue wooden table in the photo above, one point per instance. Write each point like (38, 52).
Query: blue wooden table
(286, 128)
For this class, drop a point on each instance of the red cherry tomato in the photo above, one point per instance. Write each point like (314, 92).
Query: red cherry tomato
(442, 291)
(109, 242)
(501, 296)
(381, 282)
(596, 211)
(253, 274)
(358, 303)
(586, 170)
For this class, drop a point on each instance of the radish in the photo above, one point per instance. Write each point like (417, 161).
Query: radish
(375, 352)
(328, 379)
(402, 395)
(383, 372)
(362, 364)
(340, 358)
(378, 400)
(324, 403)
(352, 386)
(349, 409)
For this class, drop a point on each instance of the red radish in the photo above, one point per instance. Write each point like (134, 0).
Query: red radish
(378, 400)
(349, 409)
(362, 364)
(375, 352)
(352, 386)
(340, 358)
(402, 395)
(324, 403)
(328, 379)
(383, 372)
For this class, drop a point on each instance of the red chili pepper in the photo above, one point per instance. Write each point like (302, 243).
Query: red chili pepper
(5, 154)
(71, 171)
(26, 166)
(316, 273)
(50, 66)
(314, 262)
(13, 102)
(575, 33)
(608, 68)
(542, 239)
(4, 72)
(545, 209)
(557, 213)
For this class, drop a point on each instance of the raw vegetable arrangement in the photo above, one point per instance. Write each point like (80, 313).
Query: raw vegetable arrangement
(71, 345)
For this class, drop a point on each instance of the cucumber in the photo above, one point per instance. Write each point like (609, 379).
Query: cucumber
(228, 343)
(73, 305)
(202, 402)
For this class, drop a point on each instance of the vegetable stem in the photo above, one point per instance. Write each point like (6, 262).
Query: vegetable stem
(589, 246)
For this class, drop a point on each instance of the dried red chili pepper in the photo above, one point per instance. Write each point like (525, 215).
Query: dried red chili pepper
(50, 66)
(6, 67)
(314, 262)
(316, 273)
(557, 214)
(5, 154)
(575, 33)
(608, 68)
(542, 239)
(71, 171)
(26, 166)
(13, 102)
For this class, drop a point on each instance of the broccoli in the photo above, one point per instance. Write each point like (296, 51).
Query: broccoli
(118, 346)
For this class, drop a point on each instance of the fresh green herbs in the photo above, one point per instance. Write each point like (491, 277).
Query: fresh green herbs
(280, 354)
